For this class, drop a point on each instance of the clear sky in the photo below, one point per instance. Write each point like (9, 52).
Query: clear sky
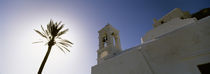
(133, 18)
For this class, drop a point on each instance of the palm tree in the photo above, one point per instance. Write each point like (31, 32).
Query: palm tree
(52, 34)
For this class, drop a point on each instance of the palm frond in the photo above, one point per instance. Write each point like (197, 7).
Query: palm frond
(53, 32)
(40, 33)
(66, 48)
(60, 22)
(42, 29)
(64, 44)
(59, 28)
(49, 28)
(61, 48)
(64, 40)
(47, 34)
(67, 41)
(62, 32)
(37, 42)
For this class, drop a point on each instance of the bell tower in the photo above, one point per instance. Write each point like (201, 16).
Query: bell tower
(109, 43)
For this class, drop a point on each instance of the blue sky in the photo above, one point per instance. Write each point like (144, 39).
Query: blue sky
(133, 18)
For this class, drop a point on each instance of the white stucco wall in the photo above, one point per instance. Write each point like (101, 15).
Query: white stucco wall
(175, 13)
(176, 52)
(129, 62)
(180, 51)
(167, 27)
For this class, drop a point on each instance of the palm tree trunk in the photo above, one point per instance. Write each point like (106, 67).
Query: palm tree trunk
(45, 59)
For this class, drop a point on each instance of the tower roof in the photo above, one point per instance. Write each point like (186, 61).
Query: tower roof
(108, 27)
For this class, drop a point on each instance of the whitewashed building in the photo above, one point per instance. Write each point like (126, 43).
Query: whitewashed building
(178, 44)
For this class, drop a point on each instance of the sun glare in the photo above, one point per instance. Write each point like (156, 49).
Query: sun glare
(24, 34)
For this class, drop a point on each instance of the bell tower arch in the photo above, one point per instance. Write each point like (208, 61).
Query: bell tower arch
(109, 43)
